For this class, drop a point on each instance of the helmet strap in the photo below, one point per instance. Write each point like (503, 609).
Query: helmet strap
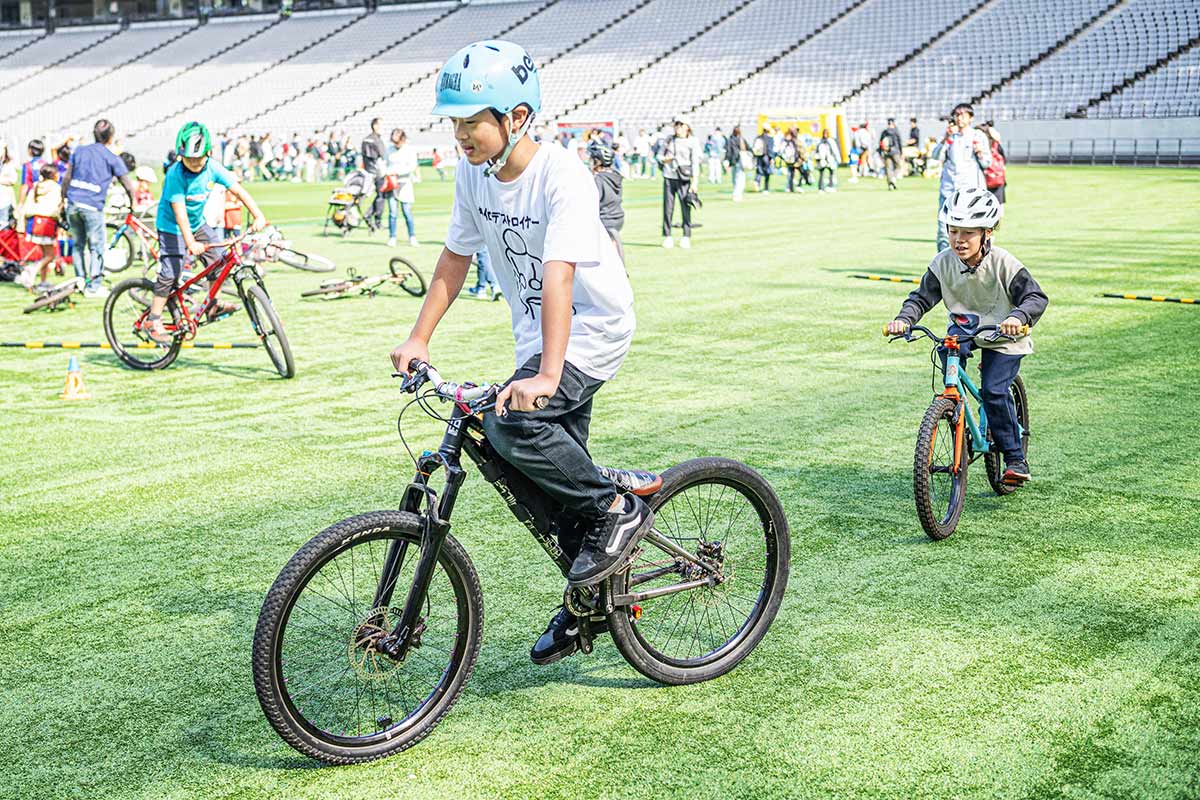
(514, 137)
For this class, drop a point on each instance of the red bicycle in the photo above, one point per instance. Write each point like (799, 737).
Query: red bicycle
(127, 307)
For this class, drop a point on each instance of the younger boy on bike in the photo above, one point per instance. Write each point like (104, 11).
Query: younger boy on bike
(180, 221)
(982, 285)
(536, 209)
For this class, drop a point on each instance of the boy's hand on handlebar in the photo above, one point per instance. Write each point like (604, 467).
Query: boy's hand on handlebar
(1013, 327)
(257, 224)
(896, 327)
(523, 395)
(403, 355)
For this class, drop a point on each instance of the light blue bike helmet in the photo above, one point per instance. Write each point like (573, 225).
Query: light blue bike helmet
(490, 74)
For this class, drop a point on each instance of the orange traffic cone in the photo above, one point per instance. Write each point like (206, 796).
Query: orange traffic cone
(74, 388)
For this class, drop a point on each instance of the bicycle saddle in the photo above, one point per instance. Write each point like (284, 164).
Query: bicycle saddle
(637, 481)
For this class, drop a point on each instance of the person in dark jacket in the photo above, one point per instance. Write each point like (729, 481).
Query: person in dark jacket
(890, 148)
(608, 183)
(374, 164)
(735, 146)
(764, 154)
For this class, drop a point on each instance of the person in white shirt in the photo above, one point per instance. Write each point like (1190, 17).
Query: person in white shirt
(965, 152)
(536, 209)
(402, 166)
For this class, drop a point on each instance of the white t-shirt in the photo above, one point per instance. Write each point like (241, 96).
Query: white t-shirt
(402, 162)
(550, 213)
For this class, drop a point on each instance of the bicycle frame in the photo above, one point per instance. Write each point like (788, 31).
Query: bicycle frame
(955, 379)
(527, 503)
(146, 236)
(222, 267)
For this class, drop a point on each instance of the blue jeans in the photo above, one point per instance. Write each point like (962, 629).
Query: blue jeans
(87, 229)
(485, 276)
(406, 209)
(943, 237)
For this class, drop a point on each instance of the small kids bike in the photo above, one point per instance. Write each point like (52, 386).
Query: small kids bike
(371, 632)
(950, 437)
(127, 307)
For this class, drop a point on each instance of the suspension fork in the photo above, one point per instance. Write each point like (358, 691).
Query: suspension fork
(434, 531)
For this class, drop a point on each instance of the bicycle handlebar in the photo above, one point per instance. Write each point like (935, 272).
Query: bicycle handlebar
(926, 333)
(467, 394)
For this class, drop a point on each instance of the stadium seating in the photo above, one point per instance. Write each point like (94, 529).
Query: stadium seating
(990, 46)
(1173, 91)
(734, 48)
(635, 61)
(1135, 34)
(836, 61)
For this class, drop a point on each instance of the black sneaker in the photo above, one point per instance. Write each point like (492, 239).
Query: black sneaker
(610, 541)
(1016, 473)
(561, 637)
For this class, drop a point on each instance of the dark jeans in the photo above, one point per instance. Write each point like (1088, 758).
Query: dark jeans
(821, 173)
(997, 371)
(375, 215)
(792, 170)
(549, 446)
(891, 163)
(676, 188)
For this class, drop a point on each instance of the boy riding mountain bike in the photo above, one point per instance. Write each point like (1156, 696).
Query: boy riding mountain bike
(982, 285)
(535, 207)
(180, 221)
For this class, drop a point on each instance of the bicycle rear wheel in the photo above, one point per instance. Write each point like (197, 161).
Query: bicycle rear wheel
(121, 249)
(994, 461)
(333, 290)
(727, 513)
(939, 491)
(269, 330)
(321, 683)
(124, 311)
(412, 281)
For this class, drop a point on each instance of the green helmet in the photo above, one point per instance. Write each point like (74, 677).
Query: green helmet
(193, 140)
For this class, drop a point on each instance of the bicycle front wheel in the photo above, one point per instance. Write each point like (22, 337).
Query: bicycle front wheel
(124, 312)
(310, 262)
(939, 489)
(321, 683)
(269, 330)
(51, 299)
(726, 513)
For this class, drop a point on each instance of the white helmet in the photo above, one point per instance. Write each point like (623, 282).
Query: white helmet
(971, 208)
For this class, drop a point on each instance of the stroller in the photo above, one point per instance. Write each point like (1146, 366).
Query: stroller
(16, 252)
(344, 209)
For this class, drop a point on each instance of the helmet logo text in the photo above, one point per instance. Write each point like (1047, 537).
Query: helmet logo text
(450, 80)
(524, 69)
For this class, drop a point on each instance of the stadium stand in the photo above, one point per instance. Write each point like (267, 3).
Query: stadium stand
(1172, 90)
(636, 61)
(835, 61)
(993, 44)
(329, 104)
(1136, 33)
(736, 46)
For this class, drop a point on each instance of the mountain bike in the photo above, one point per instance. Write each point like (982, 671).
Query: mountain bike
(951, 437)
(370, 633)
(127, 307)
(400, 273)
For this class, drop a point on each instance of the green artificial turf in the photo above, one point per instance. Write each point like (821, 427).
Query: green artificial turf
(1050, 648)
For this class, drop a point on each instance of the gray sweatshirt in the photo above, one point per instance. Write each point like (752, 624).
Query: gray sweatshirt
(998, 288)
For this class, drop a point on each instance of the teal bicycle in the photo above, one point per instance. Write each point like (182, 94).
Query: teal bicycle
(951, 437)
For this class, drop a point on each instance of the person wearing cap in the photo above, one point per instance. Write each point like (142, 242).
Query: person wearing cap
(680, 160)
(535, 208)
(965, 153)
(85, 183)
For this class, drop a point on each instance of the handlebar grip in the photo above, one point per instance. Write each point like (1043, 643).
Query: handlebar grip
(414, 365)
(541, 402)
(1024, 330)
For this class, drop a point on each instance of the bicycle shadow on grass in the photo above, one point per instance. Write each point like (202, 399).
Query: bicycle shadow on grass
(111, 363)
